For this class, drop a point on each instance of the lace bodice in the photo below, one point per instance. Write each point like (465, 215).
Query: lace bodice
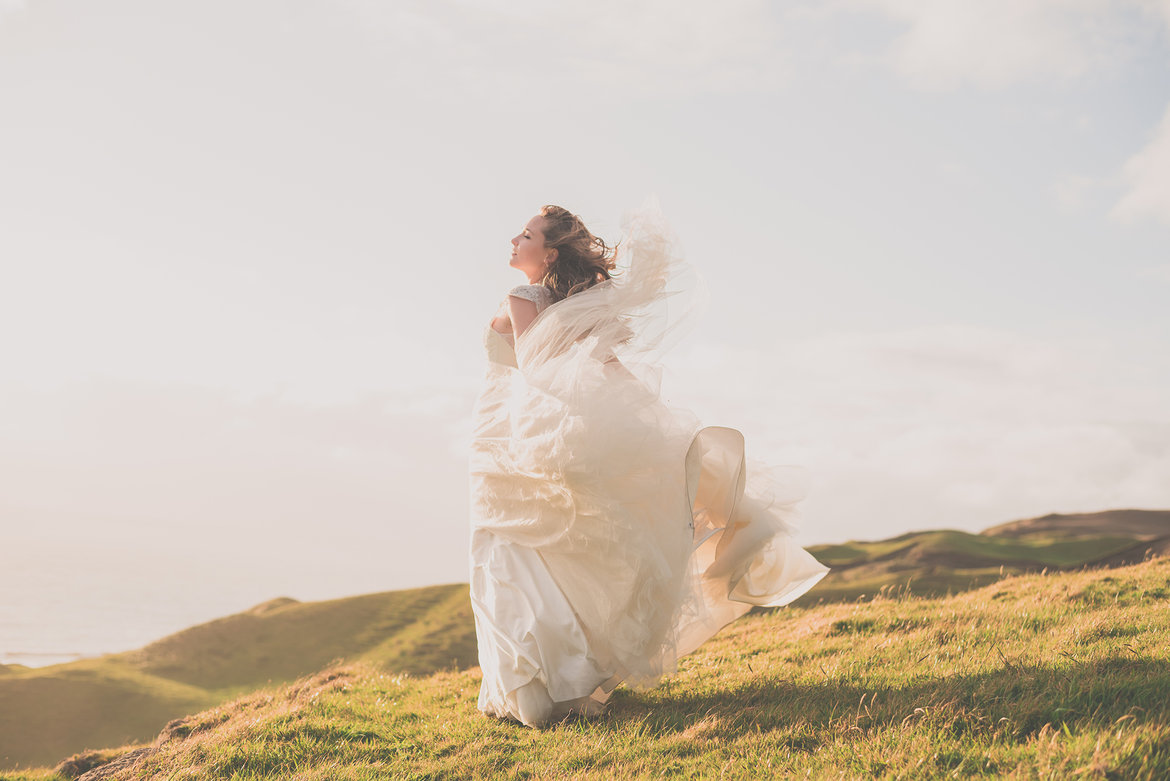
(500, 346)
(537, 294)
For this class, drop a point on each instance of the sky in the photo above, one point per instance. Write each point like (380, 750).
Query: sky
(248, 250)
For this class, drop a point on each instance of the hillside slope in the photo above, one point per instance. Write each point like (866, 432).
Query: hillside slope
(51, 712)
(945, 561)
(1140, 524)
(1055, 676)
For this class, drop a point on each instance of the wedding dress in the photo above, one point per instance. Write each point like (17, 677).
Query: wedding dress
(611, 534)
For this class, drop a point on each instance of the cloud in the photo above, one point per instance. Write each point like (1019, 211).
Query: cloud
(1160, 273)
(1074, 191)
(996, 43)
(945, 426)
(925, 427)
(1147, 179)
(690, 46)
(11, 6)
(948, 44)
(264, 473)
(551, 50)
(207, 502)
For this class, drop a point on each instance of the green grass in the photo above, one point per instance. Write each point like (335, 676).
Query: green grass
(960, 547)
(1064, 675)
(935, 563)
(283, 641)
(49, 713)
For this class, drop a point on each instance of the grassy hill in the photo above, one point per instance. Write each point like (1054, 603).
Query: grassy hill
(51, 712)
(1140, 524)
(941, 562)
(1063, 675)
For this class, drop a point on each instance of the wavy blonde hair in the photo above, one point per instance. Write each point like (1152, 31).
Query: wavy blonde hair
(582, 260)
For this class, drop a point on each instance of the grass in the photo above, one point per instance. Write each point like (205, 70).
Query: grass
(52, 712)
(976, 549)
(282, 641)
(1036, 676)
(935, 563)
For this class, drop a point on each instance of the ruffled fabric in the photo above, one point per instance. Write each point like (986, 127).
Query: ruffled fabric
(610, 533)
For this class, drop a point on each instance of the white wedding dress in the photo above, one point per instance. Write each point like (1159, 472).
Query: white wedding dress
(610, 533)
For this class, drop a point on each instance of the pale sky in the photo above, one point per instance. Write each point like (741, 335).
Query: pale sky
(248, 250)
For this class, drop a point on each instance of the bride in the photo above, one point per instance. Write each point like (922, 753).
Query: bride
(611, 534)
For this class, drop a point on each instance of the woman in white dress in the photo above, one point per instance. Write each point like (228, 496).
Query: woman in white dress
(610, 533)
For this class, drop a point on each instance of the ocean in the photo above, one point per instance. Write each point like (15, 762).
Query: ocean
(60, 602)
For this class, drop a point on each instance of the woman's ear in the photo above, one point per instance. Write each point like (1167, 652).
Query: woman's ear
(550, 258)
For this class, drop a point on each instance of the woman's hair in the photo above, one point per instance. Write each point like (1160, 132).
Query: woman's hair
(582, 260)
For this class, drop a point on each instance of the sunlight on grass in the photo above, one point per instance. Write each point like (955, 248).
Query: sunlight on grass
(1037, 676)
(49, 713)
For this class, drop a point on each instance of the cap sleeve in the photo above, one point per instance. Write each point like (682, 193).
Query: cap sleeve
(537, 294)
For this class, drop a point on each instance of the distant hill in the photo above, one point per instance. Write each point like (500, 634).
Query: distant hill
(940, 562)
(1140, 524)
(1064, 675)
(418, 631)
(48, 713)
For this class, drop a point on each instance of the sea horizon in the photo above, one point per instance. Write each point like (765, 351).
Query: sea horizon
(56, 606)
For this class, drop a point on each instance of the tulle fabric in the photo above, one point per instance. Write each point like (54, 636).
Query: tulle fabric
(610, 533)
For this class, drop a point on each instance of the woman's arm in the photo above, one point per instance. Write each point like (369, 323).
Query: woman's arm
(521, 312)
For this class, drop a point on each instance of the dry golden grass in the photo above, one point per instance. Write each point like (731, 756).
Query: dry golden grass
(52, 712)
(1039, 676)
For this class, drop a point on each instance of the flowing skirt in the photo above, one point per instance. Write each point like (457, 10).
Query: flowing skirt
(611, 534)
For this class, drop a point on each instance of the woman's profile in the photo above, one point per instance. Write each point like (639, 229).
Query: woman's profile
(611, 534)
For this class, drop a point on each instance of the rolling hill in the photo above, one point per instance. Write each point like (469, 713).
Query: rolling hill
(1062, 675)
(49, 713)
(941, 562)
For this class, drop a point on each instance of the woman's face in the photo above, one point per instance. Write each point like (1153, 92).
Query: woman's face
(528, 251)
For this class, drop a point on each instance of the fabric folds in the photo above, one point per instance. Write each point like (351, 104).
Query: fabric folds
(610, 533)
